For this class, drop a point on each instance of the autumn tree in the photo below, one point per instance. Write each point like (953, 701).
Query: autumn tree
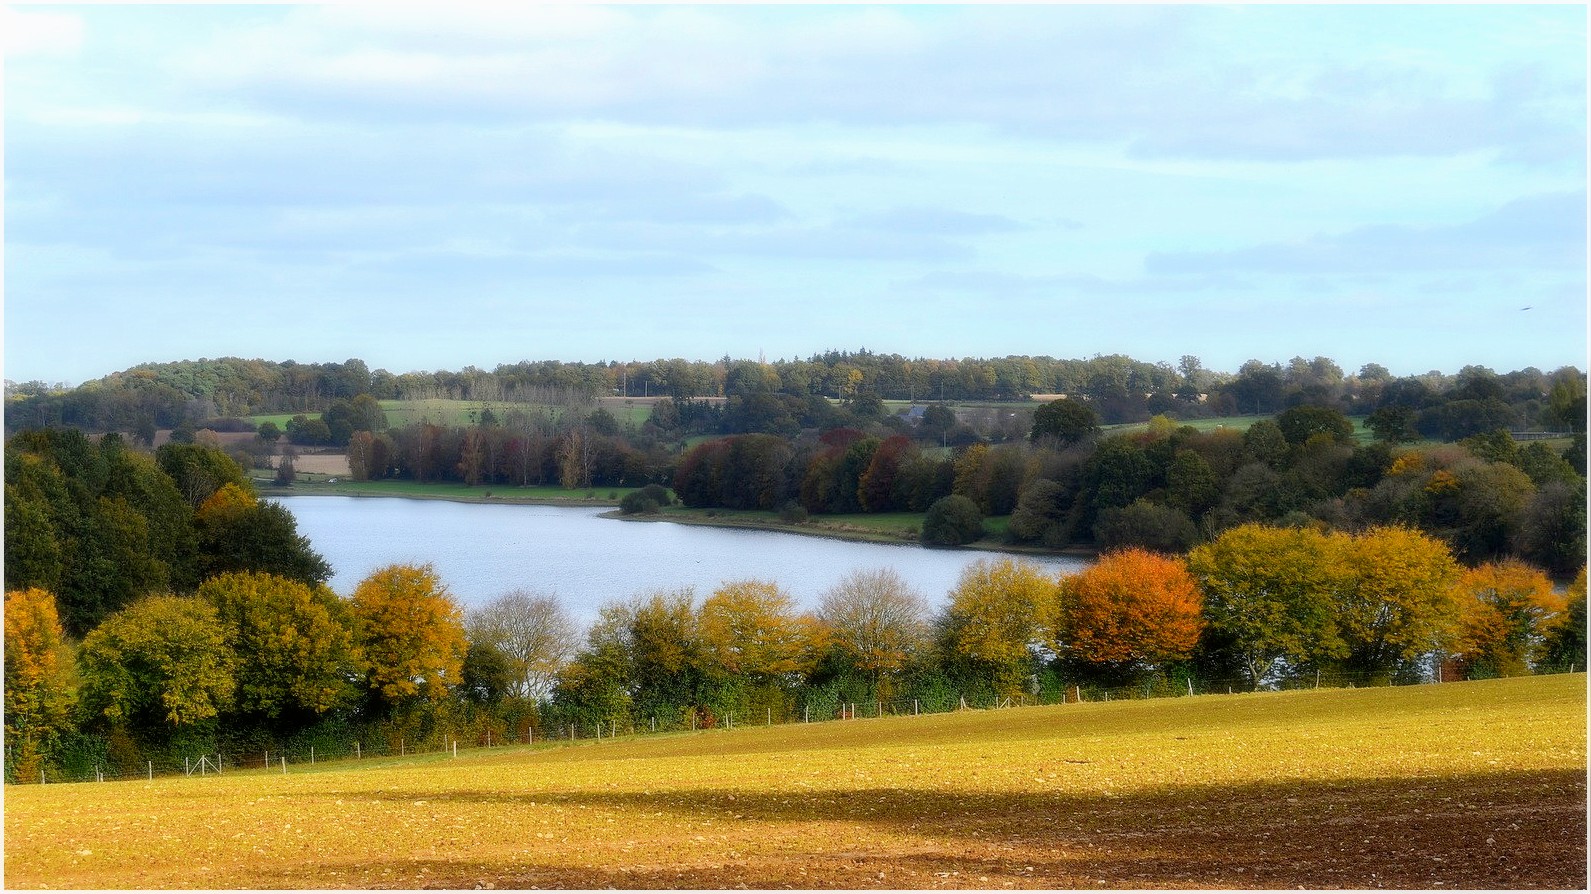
(410, 632)
(876, 620)
(1506, 609)
(39, 686)
(1270, 595)
(1000, 618)
(751, 628)
(294, 644)
(1131, 612)
(162, 662)
(1396, 604)
(534, 634)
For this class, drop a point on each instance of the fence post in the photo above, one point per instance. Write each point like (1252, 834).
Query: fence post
(312, 755)
(357, 754)
(1317, 678)
(284, 765)
(1190, 685)
(455, 748)
(770, 717)
(151, 771)
(806, 714)
(267, 758)
(186, 770)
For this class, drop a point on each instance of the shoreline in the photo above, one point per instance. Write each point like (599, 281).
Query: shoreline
(698, 517)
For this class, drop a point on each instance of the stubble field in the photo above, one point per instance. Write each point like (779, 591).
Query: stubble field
(1473, 785)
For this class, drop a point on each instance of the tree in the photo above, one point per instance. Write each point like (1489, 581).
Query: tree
(952, 521)
(1041, 514)
(1393, 424)
(1132, 611)
(410, 631)
(1001, 614)
(532, 632)
(1146, 525)
(1397, 604)
(876, 620)
(293, 642)
(162, 662)
(750, 628)
(1565, 646)
(1505, 609)
(39, 688)
(238, 532)
(1300, 423)
(1271, 594)
(1067, 421)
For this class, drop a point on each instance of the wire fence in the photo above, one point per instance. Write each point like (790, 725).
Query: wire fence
(96, 760)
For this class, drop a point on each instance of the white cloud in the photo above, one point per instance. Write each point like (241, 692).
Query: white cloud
(31, 33)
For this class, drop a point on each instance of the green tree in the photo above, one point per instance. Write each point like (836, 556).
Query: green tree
(1067, 421)
(952, 521)
(1300, 423)
(1146, 525)
(238, 532)
(1271, 595)
(162, 662)
(410, 631)
(1565, 644)
(293, 642)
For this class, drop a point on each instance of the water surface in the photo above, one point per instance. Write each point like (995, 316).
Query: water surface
(483, 550)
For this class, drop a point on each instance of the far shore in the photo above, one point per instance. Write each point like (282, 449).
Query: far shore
(816, 527)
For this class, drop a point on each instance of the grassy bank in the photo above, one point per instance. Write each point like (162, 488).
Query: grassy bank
(1469, 785)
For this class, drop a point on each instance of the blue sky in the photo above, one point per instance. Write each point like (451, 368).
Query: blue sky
(430, 189)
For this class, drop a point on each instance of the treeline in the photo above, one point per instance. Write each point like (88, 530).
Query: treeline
(1119, 388)
(101, 524)
(251, 660)
(1168, 487)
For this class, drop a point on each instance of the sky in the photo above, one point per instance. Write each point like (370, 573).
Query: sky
(433, 188)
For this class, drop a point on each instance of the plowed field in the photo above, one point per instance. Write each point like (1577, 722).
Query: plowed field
(1472, 785)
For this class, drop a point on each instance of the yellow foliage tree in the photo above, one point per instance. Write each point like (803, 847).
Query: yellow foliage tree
(1000, 612)
(38, 678)
(293, 641)
(876, 620)
(1505, 609)
(409, 631)
(751, 628)
(1398, 602)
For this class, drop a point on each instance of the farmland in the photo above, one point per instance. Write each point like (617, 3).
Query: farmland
(1474, 785)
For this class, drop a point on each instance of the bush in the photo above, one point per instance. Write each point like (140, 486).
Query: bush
(793, 513)
(952, 521)
(647, 500)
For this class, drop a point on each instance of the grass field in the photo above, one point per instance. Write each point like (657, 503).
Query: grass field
(1470, 785)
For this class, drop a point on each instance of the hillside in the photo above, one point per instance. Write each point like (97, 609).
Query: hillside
(1474, 785)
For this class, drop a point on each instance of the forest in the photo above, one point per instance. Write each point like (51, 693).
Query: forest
(155, 603)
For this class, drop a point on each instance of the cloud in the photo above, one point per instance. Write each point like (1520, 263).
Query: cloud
(1165, 82)
(1541, 232)
(935, 221)
(31, 33)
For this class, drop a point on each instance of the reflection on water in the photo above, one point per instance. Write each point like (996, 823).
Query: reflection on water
(482, 551)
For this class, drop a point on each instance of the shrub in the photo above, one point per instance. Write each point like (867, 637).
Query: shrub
(952, 521)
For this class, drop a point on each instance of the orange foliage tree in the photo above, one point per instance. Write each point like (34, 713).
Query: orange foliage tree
(1505, 610)
(1132, 611)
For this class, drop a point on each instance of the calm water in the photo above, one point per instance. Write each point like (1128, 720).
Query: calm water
(481, 551)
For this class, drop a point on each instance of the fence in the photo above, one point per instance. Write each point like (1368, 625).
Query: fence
(289, 758)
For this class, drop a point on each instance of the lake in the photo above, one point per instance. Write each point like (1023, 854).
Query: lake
(482, 551)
